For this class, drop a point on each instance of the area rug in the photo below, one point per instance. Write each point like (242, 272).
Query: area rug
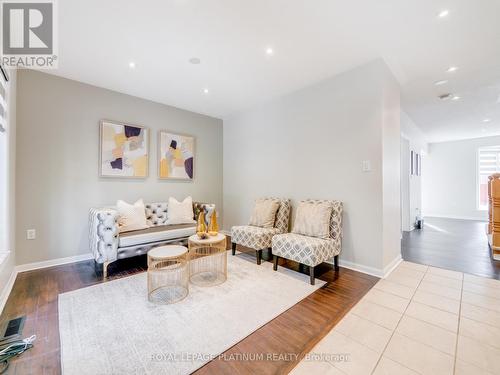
(111, 328)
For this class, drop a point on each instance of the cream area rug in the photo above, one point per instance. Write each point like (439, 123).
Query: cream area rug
(111, 328)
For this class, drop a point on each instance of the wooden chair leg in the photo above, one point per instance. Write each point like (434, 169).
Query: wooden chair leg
(233, 247)
(275, 267)
(336, 262)
(311, 275)
(258, 254)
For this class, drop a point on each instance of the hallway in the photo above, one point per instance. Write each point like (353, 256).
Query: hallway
(459, 245)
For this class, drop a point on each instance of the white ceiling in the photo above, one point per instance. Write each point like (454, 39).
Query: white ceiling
(312, 40)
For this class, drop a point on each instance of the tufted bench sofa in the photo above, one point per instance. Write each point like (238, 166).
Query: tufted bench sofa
(108, 244)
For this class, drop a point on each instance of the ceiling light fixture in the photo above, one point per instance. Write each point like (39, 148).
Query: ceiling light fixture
(444, 13)
(452, 69)
(456, 97)
(269, 51)
(131, 65)
(205, 91)
(442, 82)
(194, 60)
(445, 96)
(486, 120)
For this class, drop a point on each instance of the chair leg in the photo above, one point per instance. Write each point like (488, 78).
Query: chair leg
(336, 262)
(275, 267)
(311, 275)
(233, 247)
(258, 254)
(105, 270)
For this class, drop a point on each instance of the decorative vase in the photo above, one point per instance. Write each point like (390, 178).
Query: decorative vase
(201, 227)
(213, 227)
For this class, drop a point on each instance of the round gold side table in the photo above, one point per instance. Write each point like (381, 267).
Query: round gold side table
(207, 260)
(168, 274)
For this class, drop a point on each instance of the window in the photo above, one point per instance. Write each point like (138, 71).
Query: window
(4, 91)
(488, 163)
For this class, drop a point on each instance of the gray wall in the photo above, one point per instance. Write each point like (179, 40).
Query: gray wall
(311, 144)
(57, 160)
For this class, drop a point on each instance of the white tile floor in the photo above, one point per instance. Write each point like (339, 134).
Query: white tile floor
(419, 320)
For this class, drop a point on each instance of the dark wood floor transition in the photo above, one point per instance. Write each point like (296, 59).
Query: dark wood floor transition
(297, 330)
(459, 245)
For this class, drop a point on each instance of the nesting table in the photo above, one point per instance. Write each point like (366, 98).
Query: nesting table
(172, 267)
(168, 274)
(207, 260)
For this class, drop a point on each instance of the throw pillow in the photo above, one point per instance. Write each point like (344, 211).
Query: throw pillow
(264, 213)
(313, 219)
(180, 212)
(131, 216)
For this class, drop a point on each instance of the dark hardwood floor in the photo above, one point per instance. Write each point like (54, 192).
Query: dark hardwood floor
(459, 245)
(296, 331)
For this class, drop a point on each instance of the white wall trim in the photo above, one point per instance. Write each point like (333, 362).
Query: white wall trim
(35, 266)
(392, 266)
(53, 262)
(360, 268)
(7, 289)
(444, 216)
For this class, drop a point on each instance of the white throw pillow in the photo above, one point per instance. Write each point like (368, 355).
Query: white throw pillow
(132, 216)
(264, 213)
(313, 219)
(180, 212)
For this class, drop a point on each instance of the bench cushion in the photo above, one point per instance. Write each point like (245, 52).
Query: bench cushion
(156, 234)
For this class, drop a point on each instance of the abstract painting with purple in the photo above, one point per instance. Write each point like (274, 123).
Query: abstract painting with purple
(124, 150)
(176, 159)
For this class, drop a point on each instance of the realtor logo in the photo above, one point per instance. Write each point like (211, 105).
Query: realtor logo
(28, 34)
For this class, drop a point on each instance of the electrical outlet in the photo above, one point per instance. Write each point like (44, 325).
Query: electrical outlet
(31, 234)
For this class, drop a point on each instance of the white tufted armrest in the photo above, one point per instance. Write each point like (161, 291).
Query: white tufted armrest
(103, 234)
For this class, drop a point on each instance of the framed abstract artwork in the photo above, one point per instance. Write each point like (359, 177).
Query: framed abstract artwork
(176, 156)
(124, 150)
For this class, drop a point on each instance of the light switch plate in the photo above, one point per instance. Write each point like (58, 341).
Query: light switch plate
(31, 234)
(367, 166)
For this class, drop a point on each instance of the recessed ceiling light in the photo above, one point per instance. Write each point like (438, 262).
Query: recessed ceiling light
(269, 51)
(445, 96)
(444, 13)
(442, 82)
(455, 97)
(131, 65)
(452, 69)
(205, 91)
(194, 60)
(486, 120)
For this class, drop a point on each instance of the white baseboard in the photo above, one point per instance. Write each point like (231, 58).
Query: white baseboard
(372, 270)
(35, 266)
(360, 268)
(7, 289)
(444, 216)
(392, 266)
(53, 262)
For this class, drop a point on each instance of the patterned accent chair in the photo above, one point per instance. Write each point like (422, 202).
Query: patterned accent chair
(260, 238)
(311, 251)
